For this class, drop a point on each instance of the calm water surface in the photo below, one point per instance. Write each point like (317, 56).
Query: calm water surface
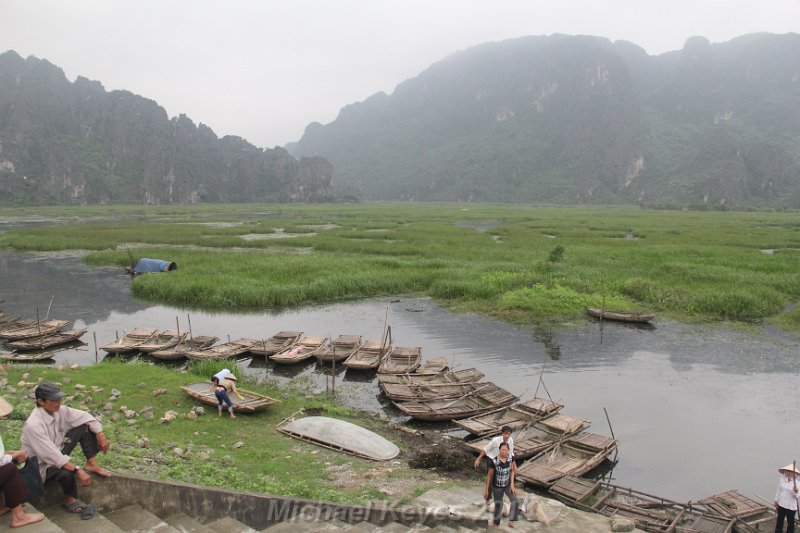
(697, 409)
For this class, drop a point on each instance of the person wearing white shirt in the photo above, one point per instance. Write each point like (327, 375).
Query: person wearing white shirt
(786, 498)
(492, 449)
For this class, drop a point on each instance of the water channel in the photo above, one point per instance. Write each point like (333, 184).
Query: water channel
(697, 409)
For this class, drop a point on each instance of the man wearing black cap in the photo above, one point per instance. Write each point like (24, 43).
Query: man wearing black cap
(51, 433)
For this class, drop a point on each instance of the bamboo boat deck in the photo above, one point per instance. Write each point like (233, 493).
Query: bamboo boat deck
(340, 349)
(486, 399)
(30, 329)
(222, 351)
(368, 356)
(429, 391)
(301, 351)
(164, 340)
(130, 341)
(199, 343)
(401, 360)
(538, 436)
(568, 458)
(252, 402)
(47, 341)
(458, 376)
(517, 416)
(283, 340)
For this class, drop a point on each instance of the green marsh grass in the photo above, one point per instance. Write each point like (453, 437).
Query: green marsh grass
(531, 263)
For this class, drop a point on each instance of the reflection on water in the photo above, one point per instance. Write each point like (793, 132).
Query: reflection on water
(697, 409)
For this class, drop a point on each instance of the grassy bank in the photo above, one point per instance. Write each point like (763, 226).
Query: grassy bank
(265, 462)
(525, 264)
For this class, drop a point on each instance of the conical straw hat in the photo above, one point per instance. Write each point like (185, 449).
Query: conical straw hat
(789, 468)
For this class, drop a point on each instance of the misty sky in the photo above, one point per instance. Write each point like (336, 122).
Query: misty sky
(264, 69)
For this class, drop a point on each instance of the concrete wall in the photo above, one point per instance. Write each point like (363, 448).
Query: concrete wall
(256, 510)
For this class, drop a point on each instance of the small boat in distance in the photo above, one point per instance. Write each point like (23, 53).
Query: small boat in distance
(252, 402)
(301, 351)
(46, 341)
(638, 317)
(283, 340)
(130, 342)
(343, 347)
(368, 356)
(199, 343)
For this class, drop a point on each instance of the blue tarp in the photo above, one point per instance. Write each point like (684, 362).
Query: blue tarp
(154, 265)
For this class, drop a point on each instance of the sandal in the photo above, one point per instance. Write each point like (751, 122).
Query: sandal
(86, 511)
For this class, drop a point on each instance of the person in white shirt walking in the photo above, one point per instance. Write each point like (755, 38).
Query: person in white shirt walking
(786, 498)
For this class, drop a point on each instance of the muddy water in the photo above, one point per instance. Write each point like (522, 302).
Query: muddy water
(697, 409)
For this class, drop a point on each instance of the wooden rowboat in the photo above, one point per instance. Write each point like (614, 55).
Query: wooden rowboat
(252, 402)
(517, 416)
(429, 391)
(368, 356)
(283, 340)
(539, 436)
(468, 375)
(635, 317)
(488, 398)
(162, 341)
(178, 351)
(401, 360)
(27, 357)
(343, 347)
(301, 351)
(649, 513)
(130, 342)
(750, 516)
(433, 366)
(47, 341)
(34, 329)
(572, 457)
(5, 318)
(222, 351)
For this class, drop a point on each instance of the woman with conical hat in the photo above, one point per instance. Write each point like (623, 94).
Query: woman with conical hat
(12, 487)
(786, 497)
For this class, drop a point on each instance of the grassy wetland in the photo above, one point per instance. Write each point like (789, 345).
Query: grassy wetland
(525, 264)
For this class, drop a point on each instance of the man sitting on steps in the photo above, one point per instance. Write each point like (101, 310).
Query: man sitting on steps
(51, 433)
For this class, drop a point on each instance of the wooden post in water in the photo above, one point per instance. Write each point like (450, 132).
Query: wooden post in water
(38, 322)
(189, 319)
(96, 357)
(178, 325)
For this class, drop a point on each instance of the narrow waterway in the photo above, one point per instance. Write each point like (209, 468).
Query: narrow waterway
(697, 409)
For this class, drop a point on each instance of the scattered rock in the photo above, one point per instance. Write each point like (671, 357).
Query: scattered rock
(115, 393)
(238, 444)
(80, 386)
(191, 415)
(142, 385)
(178, 452)
(26, 375)
(199, 409)
(130, 413)
(74, 366)
(95, 388)
(115, 417)
(131, 422)
(159, 392)
(143, 442)
(227, 460)
(108, 407)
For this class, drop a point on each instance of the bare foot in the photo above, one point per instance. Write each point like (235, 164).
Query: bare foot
(512, 525)
(97, 470)
(219, 414)
(23, 519)
(233, 415)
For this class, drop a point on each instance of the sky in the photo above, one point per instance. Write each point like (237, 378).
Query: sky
(265, 69)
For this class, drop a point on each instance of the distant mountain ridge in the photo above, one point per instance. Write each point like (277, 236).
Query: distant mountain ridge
(579, 119)
(75, 143)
